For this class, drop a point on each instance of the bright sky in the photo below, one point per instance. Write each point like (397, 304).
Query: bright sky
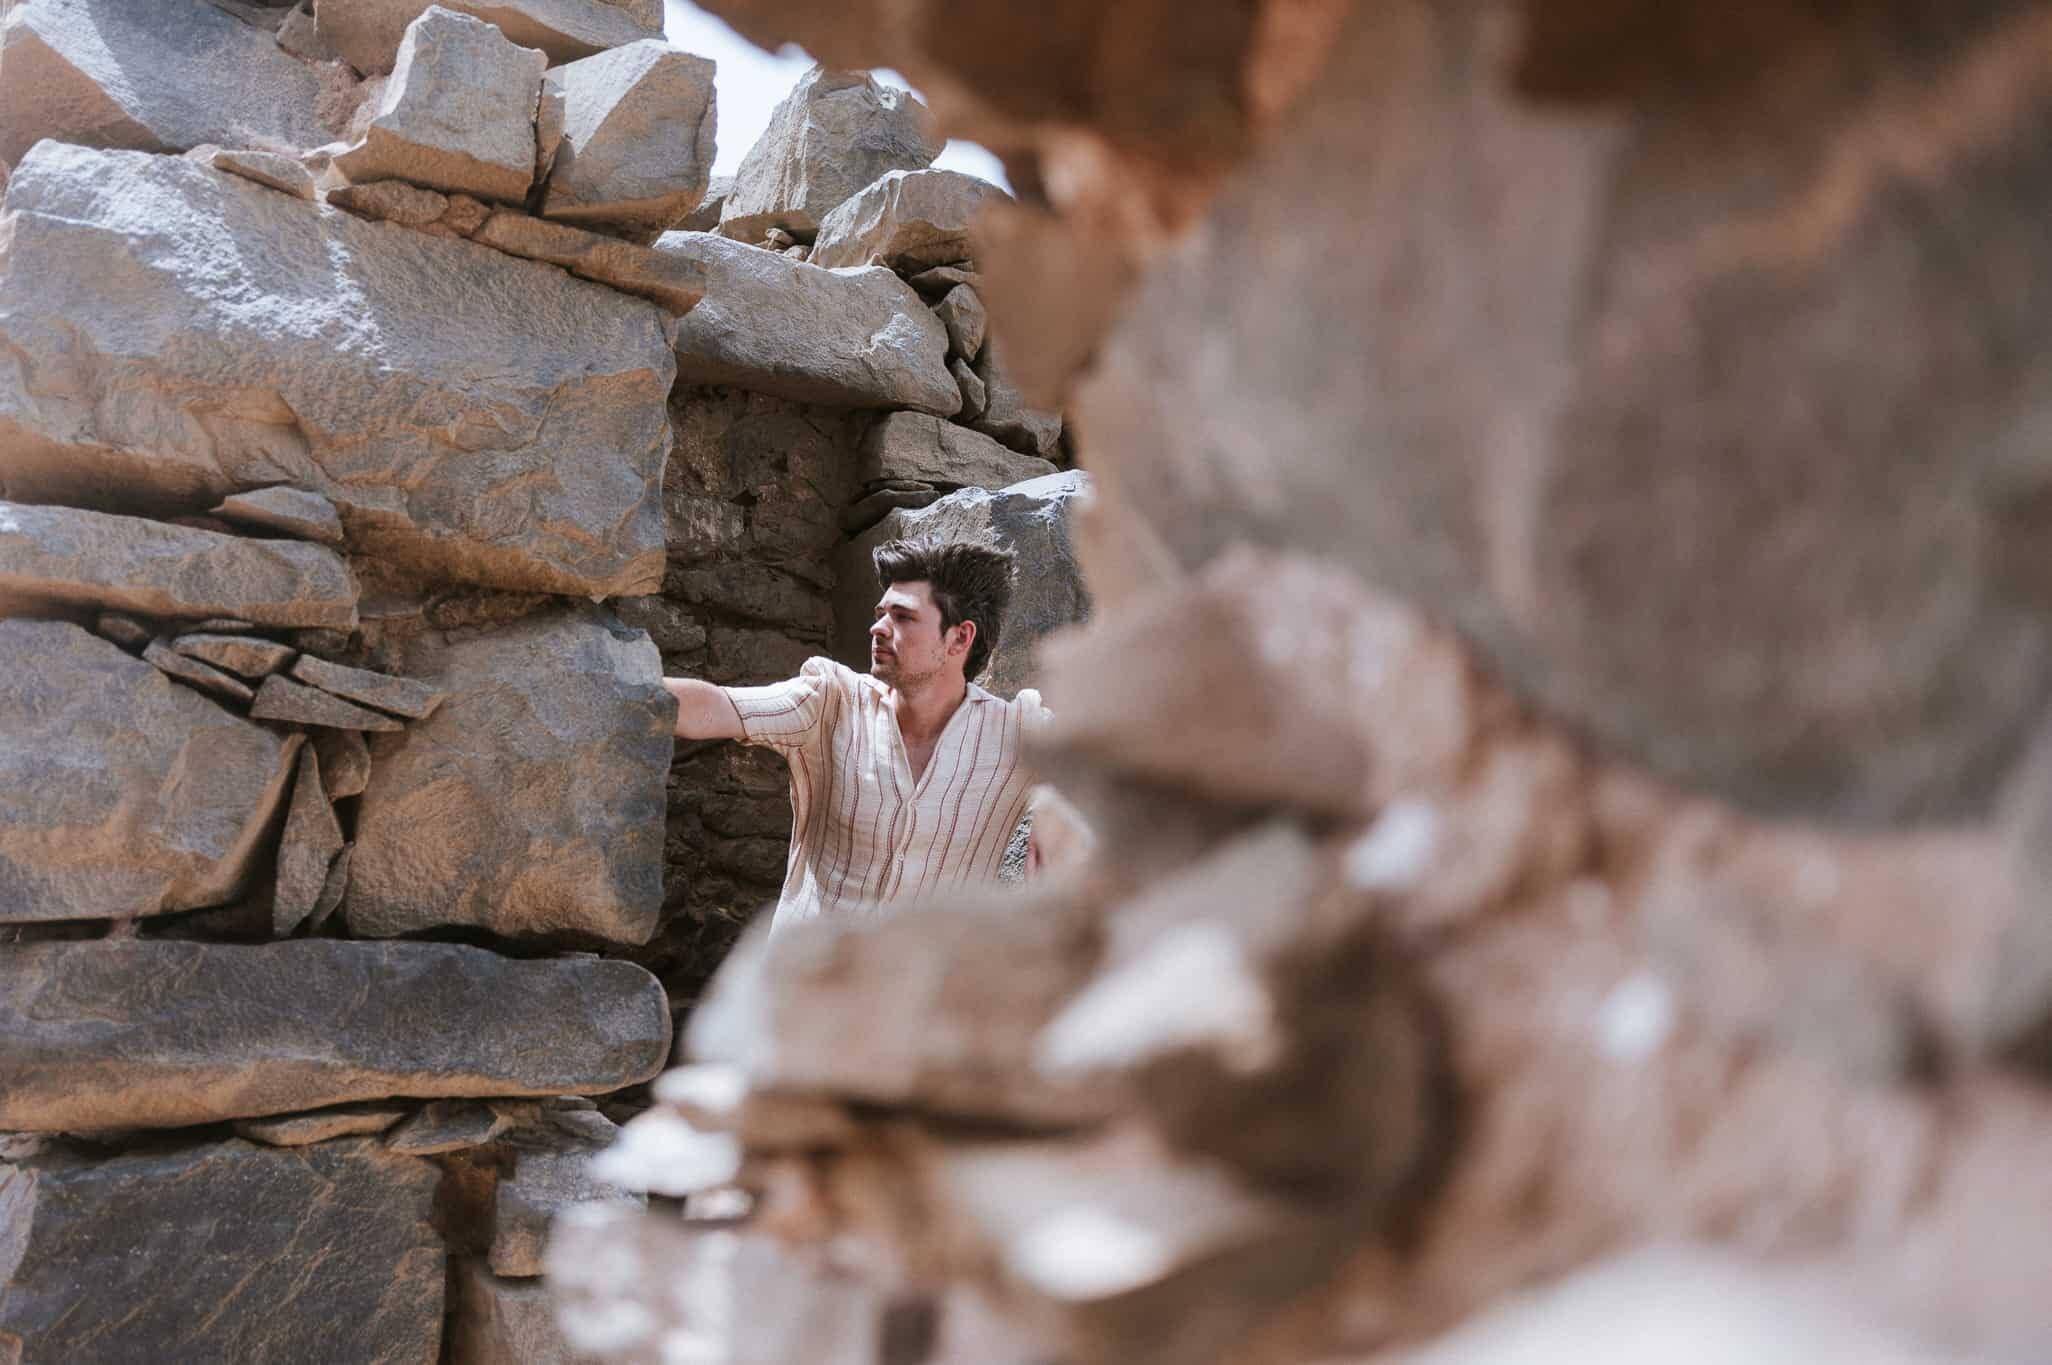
(751, 81)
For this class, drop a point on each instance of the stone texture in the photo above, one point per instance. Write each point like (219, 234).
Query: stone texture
(544, 1182)
(401, 696)
(367, 33)
(311, 842)
(121, 792)
(921, 449)
(706, 217)
(850, 338)
(322, 1125)
(458, 113)
(150, 75)
(295, 511)
(222, 1252)
(447, 1126)
(834, 134)
(345, 762)
(553, 828)
(362, 331)
(907, 220)
(274, 170)
(975, 395)
(280, 698)
(668, 280)
(939, 281)
(62, 557)
(498, 1322)
(249, 655)
(123, 630)
(158, 1034)
(391, 201)
(196, 674)
(1032, 520)
(967, 320)
(1005, 416)
(637, 144)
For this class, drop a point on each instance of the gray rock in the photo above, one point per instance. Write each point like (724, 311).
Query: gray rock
(706, 217)
(544, 1182)
(975, 397)
(57, 557)
(345, 762)
(274, 170)
(556, 826)
(458, 114)
(907, 220)
(937, 282)
(123, 630)
(391, 201)
(1005, 415)
(140, 1033)
(322, 1125)
(249, 655)
(401, 696)
(1031, 519)
(191, 671)
(637, 147)
(498, 1321)
(542, 466)
(295, 511)
(150, 75)
(223, 1252)
(367, 33)
(447, 1126)
(849, 338)
(280, 698)
(311, 843)
(963, 314)
(121, 792)
(668, 280)
(299, 35)
(332, 890)
(922, 449)
(835, 133)
(871, 508)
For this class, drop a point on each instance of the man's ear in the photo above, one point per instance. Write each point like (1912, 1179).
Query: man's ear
(961, 637)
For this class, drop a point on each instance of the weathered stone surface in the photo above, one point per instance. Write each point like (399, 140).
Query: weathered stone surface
(249, 655)
(191, 671)
(391, 201)
(295, 511)
(1031, 519)
(311, 842)
(871, 508)
(637, 145)
(224, 1252)
(401, 696)
(333, 889)
(301, 1130)
(835, 133)
(122, 629)
(907, 220)
(345, 762)
(65, 557)
(280, 698)
(706, 217)
(668, 280)
(498, 1321)
(555, 826)
(161, 1034)
(975, 397)
(122, 792)
(544, 1182)
(850, 338)
(151, 75)
(458, 114)
(540, 466)
(448, 1126)
(912, 446)
(937, 282)
(274, 170)
(967, 320)
(1006, 417)
(367, 33)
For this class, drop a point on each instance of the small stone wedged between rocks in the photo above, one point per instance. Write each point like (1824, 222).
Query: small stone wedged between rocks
(247, 655)
(367, 33)
(204, 676)
(280, 698)
(295, 511)
(636, 147)
(671, 282)
(907, 220)
(407, 697)
(311, 842)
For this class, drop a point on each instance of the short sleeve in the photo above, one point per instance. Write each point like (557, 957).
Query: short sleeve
(793, 714)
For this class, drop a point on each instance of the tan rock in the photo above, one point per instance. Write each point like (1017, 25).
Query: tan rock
(833, 134)
(1005, 416)
(447, 1126)
(367, 33)
(204, 676)
(401, 696)
(122, 629)
(391, 201)
(333, 889)
(311, 843)
(280, 698)
(975, 397)
(913, 446)
(907, 220)
(273, 169)
(637, 141)
(672, 282)
(251, 656)
(497, 1320)
(295, 511)
(345, 762)
(322, 1125)
(962, 312)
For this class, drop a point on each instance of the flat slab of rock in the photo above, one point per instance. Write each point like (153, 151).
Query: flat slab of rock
(914, 447)
(479, 419)
(193, 673)
(295, 511)
(637, 147)
(367, 33)
(302, 1130)
(224, 1252)
(458, 112)
(274, 170)
(122, 792)
(670, 281)
(848, 338)
(448, 1126)
(391, 201)
(831, 136)
(312, 840)
(401, 696)
(68, 557)
(252, 656)
(162, 1034)
(556, 826)
(151, 75)
(280, 698)
(907, 220)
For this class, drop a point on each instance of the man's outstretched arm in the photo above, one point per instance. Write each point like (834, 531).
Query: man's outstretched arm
(703, 710)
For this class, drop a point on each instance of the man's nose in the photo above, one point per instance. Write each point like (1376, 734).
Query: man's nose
(881, 628)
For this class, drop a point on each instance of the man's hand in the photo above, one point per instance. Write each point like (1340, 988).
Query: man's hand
(703, 710)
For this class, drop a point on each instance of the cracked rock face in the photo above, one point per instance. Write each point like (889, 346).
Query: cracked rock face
(122, 792)
(367, 33)
(638, 138)
(912, 446)
(479, 418)
(908, 220)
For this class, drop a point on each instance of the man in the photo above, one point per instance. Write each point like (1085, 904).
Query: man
(907, 780)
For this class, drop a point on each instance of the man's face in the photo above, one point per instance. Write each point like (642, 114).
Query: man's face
(907, 645)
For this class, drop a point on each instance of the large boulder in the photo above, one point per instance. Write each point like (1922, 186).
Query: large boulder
(912, 447)
(637, 146)
(140, 1033)
(835, 133)
(122, 792)
(907, 220)
(457, 114)
(843, 338)
(64, 557)
(224, 1252)
(367, 33)
(155, 76)
(1030, 519)
(531, 802)
(470, 416)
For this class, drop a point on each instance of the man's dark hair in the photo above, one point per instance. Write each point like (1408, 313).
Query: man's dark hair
(970, 583)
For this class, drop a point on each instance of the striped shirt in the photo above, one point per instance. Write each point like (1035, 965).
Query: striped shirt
(864, 832)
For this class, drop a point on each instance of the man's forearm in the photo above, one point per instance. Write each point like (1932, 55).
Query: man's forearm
(703, 710)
